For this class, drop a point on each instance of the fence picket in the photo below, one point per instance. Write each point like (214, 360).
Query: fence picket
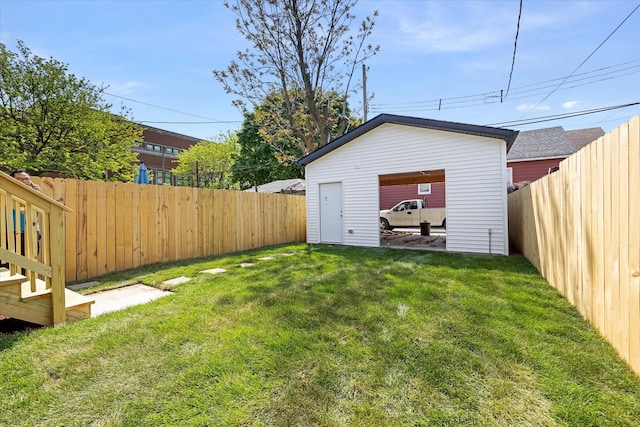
(609, 258)
(92, 226)
(69, 198)
(110, 207)
(634, 244)
(100, 252)
(622, 184)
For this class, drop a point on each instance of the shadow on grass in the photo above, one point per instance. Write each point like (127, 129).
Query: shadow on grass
(12, 330)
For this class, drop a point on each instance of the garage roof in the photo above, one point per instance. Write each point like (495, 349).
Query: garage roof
(490, 132)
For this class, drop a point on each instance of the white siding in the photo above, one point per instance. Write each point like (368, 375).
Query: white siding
(475, 170)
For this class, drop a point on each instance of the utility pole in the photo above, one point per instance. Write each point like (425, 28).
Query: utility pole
(364, 91)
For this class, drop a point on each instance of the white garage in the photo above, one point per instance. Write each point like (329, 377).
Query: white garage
(343, 179)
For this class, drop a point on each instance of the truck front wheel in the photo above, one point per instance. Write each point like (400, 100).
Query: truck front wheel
(384, 224)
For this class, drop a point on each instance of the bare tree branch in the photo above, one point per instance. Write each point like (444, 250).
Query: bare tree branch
(300, 47)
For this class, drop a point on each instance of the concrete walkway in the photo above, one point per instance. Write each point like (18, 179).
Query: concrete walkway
(127, 296)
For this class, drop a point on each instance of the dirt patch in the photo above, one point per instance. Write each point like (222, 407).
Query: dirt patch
(412, 240)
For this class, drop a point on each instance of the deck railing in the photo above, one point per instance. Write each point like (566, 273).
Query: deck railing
(32, 239)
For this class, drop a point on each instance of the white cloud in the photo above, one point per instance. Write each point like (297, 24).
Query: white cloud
(532, 107)
(562, 14)
(428, 27)
(570, 104)
(125, 88)
(435, 37)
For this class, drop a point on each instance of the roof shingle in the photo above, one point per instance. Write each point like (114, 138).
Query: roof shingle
(540, 144)
(580, 138)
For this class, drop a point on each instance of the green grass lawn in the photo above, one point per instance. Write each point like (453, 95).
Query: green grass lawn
(327, 336)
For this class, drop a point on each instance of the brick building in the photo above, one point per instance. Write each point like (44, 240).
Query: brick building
(159, 152)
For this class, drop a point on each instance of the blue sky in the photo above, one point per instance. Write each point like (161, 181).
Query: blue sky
(443, 60)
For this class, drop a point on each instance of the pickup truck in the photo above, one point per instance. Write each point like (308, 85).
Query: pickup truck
(410, 213)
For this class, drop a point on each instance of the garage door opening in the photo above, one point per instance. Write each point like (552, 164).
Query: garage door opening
(413, 209)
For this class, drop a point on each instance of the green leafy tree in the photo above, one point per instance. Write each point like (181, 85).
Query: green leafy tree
(208, 164)
(300, 47)
(276, 129)
(258, 162)
(50, 120)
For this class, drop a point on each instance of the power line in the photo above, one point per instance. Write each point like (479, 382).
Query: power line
(187, 123)
(515, 46)
(590, 77)
(562, 116)
(485, 96)
(608, 118)
(565, 87)
(589, 72)
(172, 110)
(486, 101)
(482, 102)
(585, 60)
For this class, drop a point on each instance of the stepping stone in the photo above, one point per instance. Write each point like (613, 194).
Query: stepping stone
(287, 254)
(83, 285)
(245, 264)
(266, 258)
(127, 296)
(214, 271)
(177, 280)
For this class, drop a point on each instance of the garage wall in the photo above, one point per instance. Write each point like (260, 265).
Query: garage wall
(476, 199)
(475, 174)
(391, 195)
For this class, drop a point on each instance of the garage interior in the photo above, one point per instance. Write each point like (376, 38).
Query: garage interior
(431, 238)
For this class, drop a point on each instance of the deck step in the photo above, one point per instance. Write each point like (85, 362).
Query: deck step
(77, 306)
(21, 302)
(26, 294)
(74, 299)
(71, 299)
(7, 279)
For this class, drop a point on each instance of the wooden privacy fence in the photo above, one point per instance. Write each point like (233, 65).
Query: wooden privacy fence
(116, 226)
(580, 227)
